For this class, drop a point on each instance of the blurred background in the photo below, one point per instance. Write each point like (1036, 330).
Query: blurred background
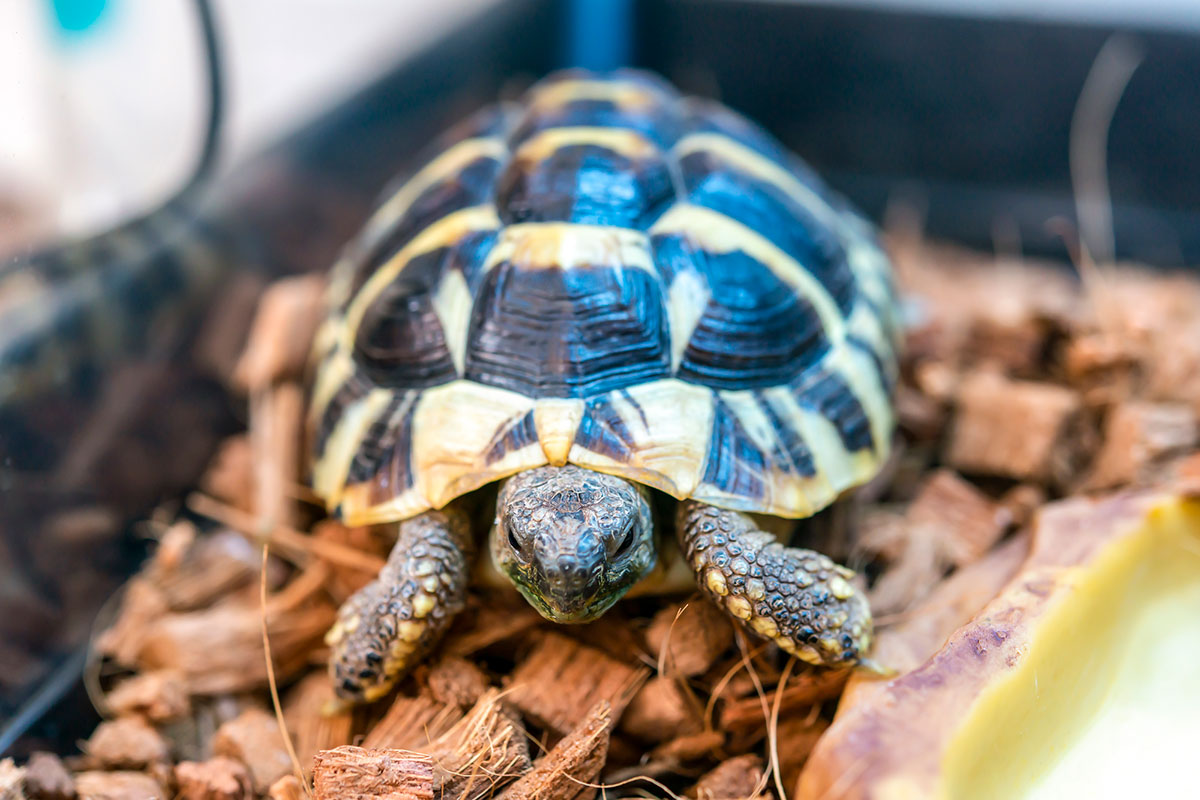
(961, 107)
(959, 113)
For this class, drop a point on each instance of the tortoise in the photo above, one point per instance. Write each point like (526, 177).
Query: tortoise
(612, 298)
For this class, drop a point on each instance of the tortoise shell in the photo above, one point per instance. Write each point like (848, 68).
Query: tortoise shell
(610, 275)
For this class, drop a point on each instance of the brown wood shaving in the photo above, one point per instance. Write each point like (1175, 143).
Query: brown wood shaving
(126, 743)
(454, 681)
(46, 778)
(411, 723)
(485, 749)
(355, 773)
(1017, 429)
(218, 778)
(118, 786)
(739, 777)
(254, 739)
(159, 695)
(569, 771)
(279, 343)
(689, 639)
(561, 680)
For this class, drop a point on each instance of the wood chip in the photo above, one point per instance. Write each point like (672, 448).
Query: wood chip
(126, 743)
(411, 723)
(1103, 367)
(949, 523)
(561, 680)
(230, 478)
(1136, 434)
(688, 748)
(347, 580)
(281, 336)
(964, 521)
(276, 433)
(94, 785)
(142, 605)
(254, 739)
(356, 773)
(1015, 342)
(12, 781)
(215, 566)
(661, 710)
(733, 779)
(484, 750)
(689, 639)
(218, 778)
(219, 650)
(159, 695)
(454, 681)
(803, 690)
(571, 770)
(307, 711)
(47, 779)
(287, 788)
(909, 578)
(919, 415)
(1017, 429)
(486, 623)
(1022, 501)
(797, 735)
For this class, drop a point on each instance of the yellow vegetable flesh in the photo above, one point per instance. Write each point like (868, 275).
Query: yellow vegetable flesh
(1105, 701)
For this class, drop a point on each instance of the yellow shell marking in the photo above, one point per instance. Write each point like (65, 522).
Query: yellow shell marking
(686, 300)
(329, 473)
(711, 230)
(670, 435)
(446, 231)
(622, 141)
(452, 304)
(448, 425)
(557, 421)
(445, 165)
(625, 95)
(567, 245)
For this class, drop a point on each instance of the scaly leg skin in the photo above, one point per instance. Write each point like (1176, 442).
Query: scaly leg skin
(799, 599)
(391, 623)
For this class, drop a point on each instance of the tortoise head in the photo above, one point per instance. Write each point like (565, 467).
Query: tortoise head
(572, 540)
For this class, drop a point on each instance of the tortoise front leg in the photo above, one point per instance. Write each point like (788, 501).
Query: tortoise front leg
(391, 623)
(797, 598)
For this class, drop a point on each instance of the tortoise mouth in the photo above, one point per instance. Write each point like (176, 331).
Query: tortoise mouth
(566, 604)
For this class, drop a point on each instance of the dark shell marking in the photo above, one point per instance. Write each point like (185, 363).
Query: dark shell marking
(609, 275)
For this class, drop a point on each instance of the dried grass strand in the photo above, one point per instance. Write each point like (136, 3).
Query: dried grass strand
(294, 544)
(271, 682)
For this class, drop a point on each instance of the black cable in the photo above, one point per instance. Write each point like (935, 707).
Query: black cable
(216, 96)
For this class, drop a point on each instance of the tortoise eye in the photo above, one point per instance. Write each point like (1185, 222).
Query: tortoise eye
(626, 543)
(400, 342)
(512, 541)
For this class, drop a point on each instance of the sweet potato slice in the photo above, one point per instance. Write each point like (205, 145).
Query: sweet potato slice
(1078, 680)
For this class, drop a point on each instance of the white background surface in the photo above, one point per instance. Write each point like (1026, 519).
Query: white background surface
(102, 124)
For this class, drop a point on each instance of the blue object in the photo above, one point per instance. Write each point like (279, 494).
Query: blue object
(599, 33)
(78, 16)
